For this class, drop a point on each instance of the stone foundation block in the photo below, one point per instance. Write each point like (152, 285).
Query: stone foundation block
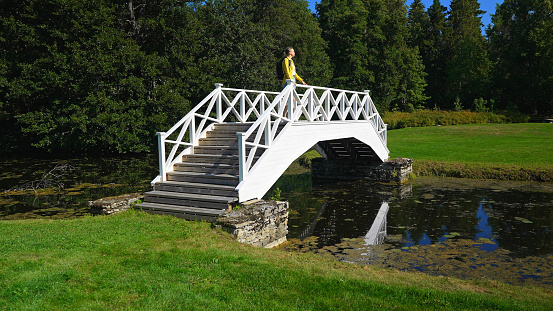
(111, 205)
(396, 170)
(262, 223)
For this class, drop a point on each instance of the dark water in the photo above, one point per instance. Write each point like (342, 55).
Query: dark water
(449, 227)
(34, 188)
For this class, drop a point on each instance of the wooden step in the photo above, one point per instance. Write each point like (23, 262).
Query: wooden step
(227, 134)
(186, 212)
(205, 164)
(216, 150)
(230, 132)
(197, 188)
(189, 196)
(214, 159)
(237, 127)
(218, 141)
(230, 135)
(222, 150)
(216, 179)
(213, 168)
(187, 199)
(226, 141)
(233, 128)
(211, 158)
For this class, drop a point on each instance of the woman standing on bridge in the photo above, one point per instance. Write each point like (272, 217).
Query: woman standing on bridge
(288, 67)
(289, 70)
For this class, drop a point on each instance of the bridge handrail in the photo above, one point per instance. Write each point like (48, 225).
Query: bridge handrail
(198, 120)
(312, 108)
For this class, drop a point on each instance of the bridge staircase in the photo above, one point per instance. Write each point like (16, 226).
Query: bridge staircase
(202, 185)
(235, 144)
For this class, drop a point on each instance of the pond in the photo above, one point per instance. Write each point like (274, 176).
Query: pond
(448, 227)
(61, 187)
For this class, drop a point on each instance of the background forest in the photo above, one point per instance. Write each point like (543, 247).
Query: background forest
(104, 76)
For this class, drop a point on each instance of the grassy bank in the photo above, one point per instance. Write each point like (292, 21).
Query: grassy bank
(498, 151)
(139, 261)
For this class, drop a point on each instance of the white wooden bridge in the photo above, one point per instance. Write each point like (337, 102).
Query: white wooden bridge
(235, 144)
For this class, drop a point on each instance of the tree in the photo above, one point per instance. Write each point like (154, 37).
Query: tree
(467, 60)
(434, 55)
(418, 23)
(300, 29)
(345, 26)
(403, 76)
(521, 45)
(367, 46)
(242, 40)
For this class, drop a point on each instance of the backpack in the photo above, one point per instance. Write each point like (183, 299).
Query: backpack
(279, 72)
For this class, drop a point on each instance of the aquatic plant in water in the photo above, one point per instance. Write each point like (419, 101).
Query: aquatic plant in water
(52, 179)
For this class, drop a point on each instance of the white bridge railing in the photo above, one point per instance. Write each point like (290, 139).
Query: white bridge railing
(266, 110)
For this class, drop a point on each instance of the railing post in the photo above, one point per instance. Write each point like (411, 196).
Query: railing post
(161, 154)
(290, 100)
(219, 108)
(192, 131)
(262, 103)
(327, 105)
(268, 141)
(343, 98)
(385, 134)
(310, 110)
(241, 156)
(243, 107)
(367, 107)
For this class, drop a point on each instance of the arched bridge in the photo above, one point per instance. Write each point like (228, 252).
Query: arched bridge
(235, 144)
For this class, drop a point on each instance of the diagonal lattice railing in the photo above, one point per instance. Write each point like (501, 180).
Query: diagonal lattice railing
(266, 110)
(221, 105)
(316, 104)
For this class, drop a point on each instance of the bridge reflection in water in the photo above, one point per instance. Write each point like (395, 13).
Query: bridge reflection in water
(333, 221)
(377, 233)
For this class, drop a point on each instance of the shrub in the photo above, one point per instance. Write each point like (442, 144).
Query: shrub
(421, 118)
(479, 105)
(481, 171)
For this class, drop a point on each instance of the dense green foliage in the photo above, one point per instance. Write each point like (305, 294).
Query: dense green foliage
(434, 55)
(92, 75)
(453, 50)
(135, 261)
(521, 45)
(366, 44)
(101, 76)
(104, 76)
(512, 69)
(467, 65)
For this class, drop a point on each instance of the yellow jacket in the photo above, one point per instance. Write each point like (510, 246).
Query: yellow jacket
(289, 70)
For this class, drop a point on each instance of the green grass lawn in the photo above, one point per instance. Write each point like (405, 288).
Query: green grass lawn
(523, 144)
(137, 261)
